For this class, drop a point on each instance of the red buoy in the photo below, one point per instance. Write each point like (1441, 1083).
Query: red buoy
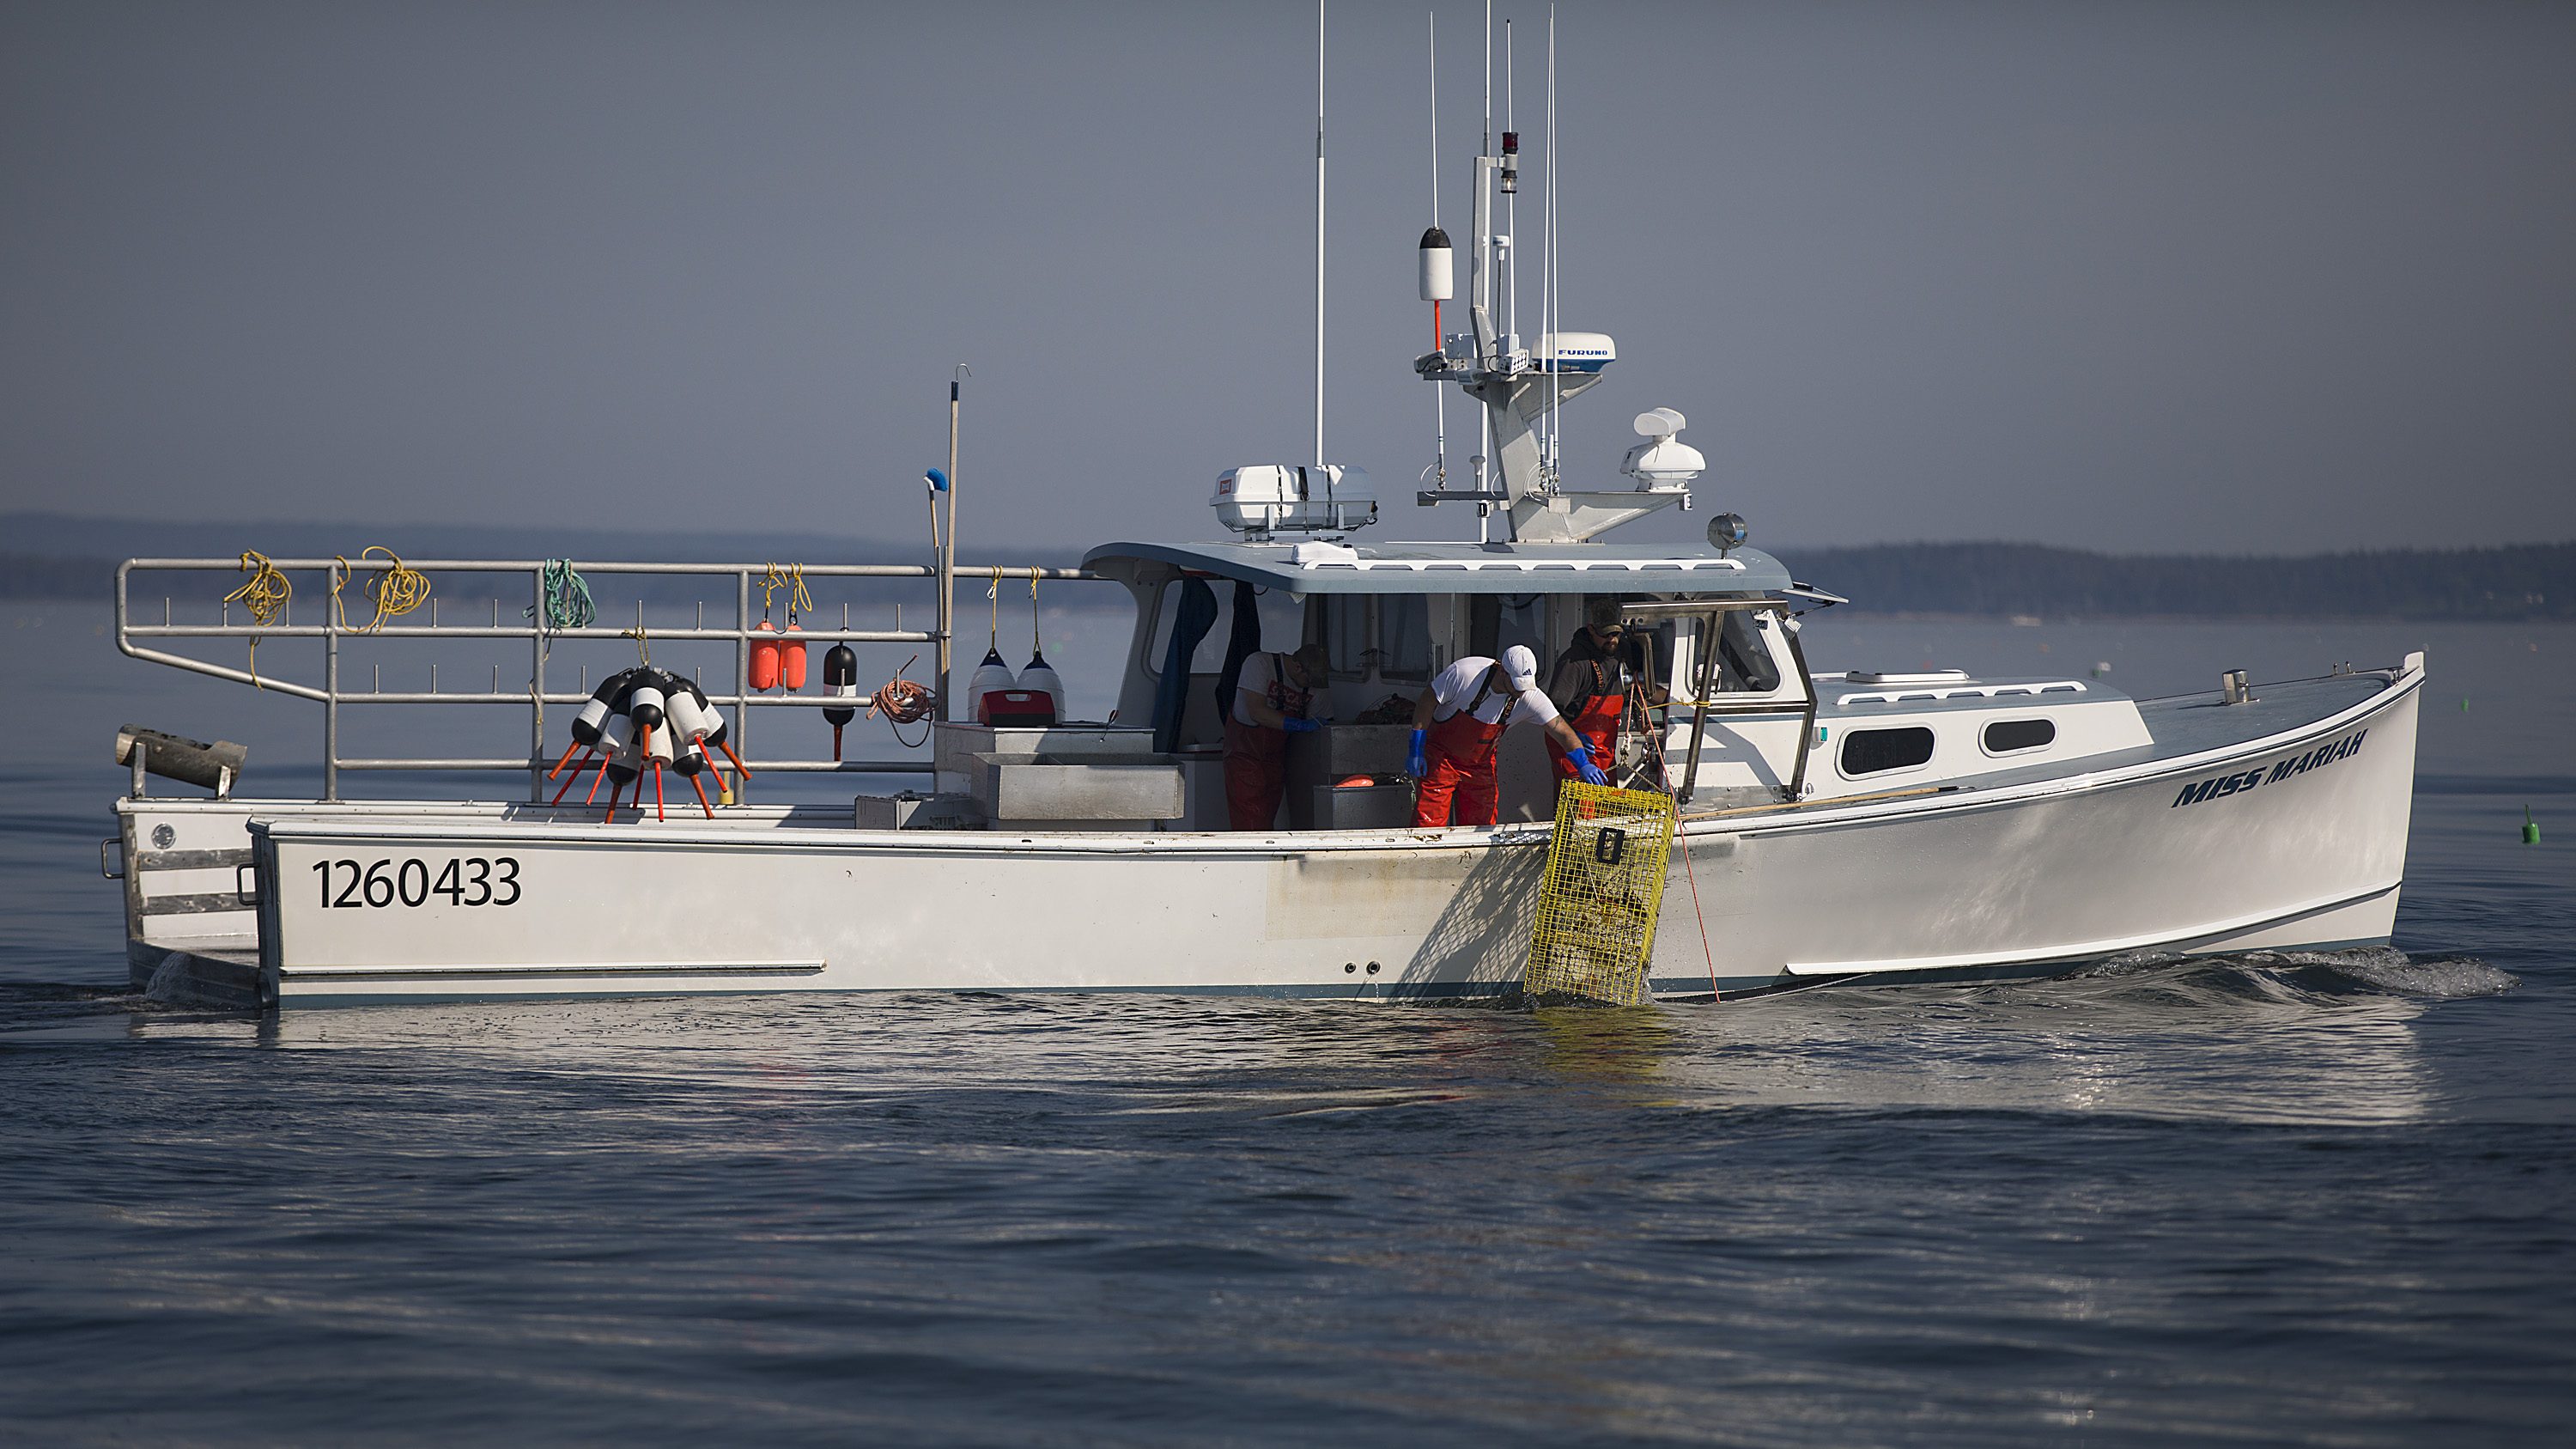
(791, 658)
(764, 657)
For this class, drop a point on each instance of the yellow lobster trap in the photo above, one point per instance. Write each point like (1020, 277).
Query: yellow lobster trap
(1598, 900)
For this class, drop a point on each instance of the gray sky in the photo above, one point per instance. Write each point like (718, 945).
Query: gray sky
(2224, 276)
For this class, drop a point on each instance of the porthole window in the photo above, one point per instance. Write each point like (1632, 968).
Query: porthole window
(2008, 736)
(1872, 752)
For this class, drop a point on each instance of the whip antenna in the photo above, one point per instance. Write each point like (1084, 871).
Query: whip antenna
(1319, 233)
(1439, 340)
(1506, 254)
(1552, 277)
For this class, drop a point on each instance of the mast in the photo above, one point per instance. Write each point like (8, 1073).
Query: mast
(1439, 341)
(1520, 396)
(948, 550)
(1319, 233)
(1480, 292)
(1551, 277)
(1509, 304)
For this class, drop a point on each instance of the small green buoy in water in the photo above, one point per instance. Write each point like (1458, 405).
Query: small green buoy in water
(2530, 827)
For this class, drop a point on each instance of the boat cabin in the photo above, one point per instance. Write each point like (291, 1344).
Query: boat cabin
(1741, 720)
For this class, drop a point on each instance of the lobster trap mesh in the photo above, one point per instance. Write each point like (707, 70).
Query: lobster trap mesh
(1597, 902)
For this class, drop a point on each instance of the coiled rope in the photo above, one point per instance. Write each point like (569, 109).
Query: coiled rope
(903, 701)
(265, 595)
(567, 598)
(396, 590)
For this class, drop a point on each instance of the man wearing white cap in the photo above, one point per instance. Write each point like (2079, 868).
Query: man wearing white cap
(1456, 723)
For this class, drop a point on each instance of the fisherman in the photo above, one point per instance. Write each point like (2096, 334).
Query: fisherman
(1276, 696)
(1456, 723)
(1590, 688)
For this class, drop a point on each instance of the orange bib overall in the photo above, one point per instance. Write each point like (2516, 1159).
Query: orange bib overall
(1598, 722)
(1459, 758)
(1256, 756)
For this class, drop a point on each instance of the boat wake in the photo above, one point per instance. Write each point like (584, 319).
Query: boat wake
(2309, 977)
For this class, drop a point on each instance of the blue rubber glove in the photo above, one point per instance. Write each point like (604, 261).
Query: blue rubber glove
(1588, 771)
(1414, 764)
(1296, 726)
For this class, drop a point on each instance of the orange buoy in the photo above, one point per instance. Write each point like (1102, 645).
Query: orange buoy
(791, 658)
(764, 657)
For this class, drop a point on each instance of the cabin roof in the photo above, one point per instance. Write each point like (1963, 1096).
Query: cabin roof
(1458, 568)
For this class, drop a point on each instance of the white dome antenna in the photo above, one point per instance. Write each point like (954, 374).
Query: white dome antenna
(1659, 423)
(1662, 464)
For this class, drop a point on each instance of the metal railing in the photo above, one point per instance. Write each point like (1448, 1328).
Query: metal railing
(540, 637)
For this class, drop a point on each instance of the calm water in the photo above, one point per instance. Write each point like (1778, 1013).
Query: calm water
(2326, 1200)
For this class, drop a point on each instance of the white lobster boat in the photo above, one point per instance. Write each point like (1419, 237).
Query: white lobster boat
(1835, 828)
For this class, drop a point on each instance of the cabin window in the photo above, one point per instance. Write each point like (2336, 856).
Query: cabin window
(1390, 631)
(1744, 664)
(2009, 736)
(1280, 627)
(1873, 752)
(1744, 657)
(1496, 622)
(1404, 636)
(1341, 621)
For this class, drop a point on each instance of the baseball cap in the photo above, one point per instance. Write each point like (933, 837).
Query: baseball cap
(1520, 667)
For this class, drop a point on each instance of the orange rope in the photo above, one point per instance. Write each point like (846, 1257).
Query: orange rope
(1682, 836)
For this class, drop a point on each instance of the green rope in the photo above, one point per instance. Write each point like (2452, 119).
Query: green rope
(567, 597)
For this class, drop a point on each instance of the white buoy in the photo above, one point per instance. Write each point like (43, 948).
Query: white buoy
(688, 718)
(1438, 278)
(1041, 677)
(990, 677)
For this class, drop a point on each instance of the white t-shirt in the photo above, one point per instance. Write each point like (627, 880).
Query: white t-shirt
(1457, 684)
(1259, 670)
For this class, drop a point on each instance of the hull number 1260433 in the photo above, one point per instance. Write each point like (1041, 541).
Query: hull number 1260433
(471, 880)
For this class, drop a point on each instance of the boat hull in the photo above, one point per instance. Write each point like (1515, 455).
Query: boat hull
(2296, 840)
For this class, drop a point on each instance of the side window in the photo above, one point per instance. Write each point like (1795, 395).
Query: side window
(1345, 633)
(2008, 736)
(1404, 636)
(1496, 622)
(1744, 656)
(1871, 752)
(1391, 631)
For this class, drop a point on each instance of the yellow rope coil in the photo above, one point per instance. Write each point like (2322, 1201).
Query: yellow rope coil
(396, 590)
(792, 579)
(265, 595)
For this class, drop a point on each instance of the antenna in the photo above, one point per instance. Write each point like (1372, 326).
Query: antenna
(1434, 17)
(1511, 298)
(1319, 232)
(1439, 340)
(1552, 279)
(1482, 302)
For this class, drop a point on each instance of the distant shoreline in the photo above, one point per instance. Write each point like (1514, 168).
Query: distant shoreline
(53, 556)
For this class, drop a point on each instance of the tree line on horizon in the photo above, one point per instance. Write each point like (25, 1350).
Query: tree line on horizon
(2523, 581)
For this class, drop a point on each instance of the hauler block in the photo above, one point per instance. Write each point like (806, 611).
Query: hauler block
(1597, 903)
